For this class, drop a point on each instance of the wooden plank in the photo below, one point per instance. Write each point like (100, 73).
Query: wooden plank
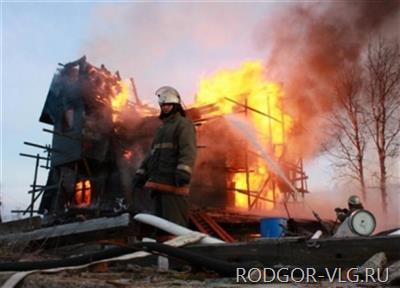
(394, 273)
(20, 225)
(376, 263)
(70, 229)
(179, 241)
(297, 252)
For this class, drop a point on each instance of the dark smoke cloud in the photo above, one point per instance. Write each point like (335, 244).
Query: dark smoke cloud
(310, 44)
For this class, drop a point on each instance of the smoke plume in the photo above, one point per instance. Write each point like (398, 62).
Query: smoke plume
(169, 43)
(310, 45)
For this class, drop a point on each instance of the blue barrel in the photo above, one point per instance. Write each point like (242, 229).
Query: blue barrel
(272, 227)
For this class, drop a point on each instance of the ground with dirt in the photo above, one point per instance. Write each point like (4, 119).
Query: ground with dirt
(146, 277)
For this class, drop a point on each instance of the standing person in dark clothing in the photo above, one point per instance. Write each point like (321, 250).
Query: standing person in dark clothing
(166, 170)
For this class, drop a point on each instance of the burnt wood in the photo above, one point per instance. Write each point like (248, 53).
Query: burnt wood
(298, 252)
(20, 225)
(76, 232)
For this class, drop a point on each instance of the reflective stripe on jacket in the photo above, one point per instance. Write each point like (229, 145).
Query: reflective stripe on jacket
(173, 148)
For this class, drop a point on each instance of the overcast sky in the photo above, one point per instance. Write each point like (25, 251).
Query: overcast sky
(156, 43)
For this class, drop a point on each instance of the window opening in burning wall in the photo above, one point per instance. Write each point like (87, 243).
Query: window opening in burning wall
(83, 191)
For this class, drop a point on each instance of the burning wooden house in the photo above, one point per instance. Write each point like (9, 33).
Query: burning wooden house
(244, 163)
(100, 137)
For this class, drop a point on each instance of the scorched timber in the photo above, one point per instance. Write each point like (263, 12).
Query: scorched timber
(83, 231)
(298, 252)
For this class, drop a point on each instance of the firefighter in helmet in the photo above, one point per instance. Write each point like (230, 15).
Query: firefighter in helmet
(166, 170)
(354, 203)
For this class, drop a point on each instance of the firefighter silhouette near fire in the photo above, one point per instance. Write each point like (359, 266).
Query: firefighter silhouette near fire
(354, 220)
(165, 172)
(354, 203)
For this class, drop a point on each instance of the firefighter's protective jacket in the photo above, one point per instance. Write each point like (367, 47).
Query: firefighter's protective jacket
(173, 148)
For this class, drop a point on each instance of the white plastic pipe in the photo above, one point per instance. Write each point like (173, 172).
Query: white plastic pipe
(397, 232)
(317, 234)
(171, 227)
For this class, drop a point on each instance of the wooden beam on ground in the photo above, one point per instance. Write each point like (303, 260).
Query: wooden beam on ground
(297, 252)
(20, 225)
(72, 232)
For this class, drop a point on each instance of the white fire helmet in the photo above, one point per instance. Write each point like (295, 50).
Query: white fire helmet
(168, 95)
(354, 200)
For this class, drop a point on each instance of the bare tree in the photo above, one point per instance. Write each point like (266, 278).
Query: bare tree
(348, 128)
(383, 92)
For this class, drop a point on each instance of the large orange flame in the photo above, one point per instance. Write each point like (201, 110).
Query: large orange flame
(247, 91)
(120, 100)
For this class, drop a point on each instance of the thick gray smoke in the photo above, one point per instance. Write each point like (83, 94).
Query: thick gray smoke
(309, 44)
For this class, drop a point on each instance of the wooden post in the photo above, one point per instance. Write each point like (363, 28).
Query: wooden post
(302, 178)
(34, 185)
(258, 195)
(247, 163)
(48, 150)
(269, 122)
(274, 192)
(283, 125)
(31, 206)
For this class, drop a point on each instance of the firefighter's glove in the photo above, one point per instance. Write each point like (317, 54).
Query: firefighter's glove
(139, 180)
(341, 214)
(182, 178)
(340, 210)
